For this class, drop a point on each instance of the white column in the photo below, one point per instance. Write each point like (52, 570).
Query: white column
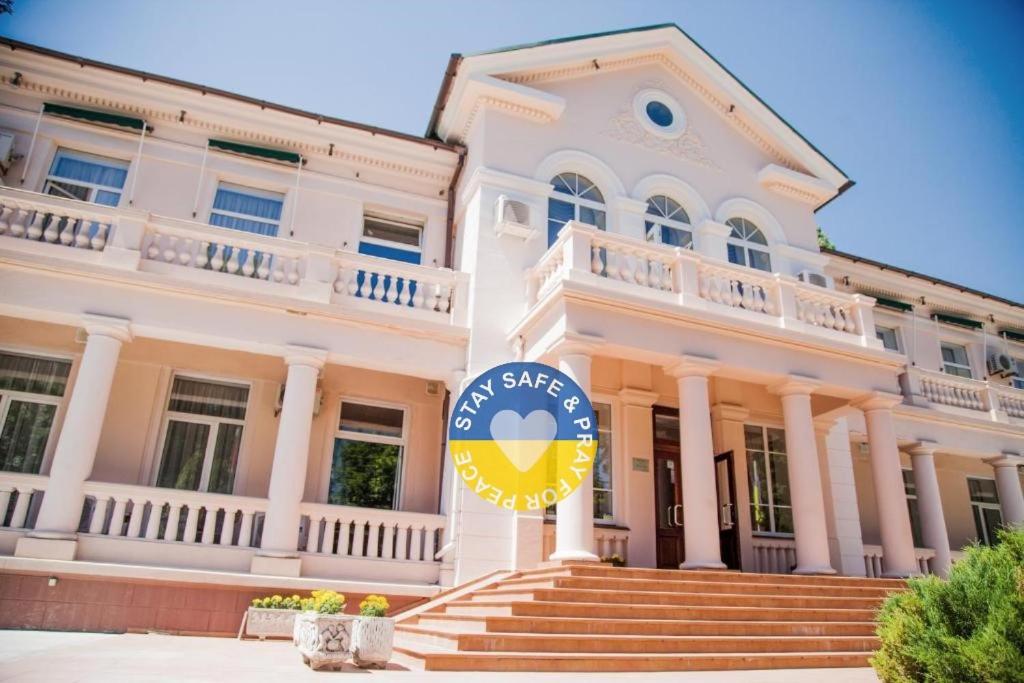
(1011, 498)
(929, 506)
(697, 465)
(574, 524)
(894, 520)
(288, 473)
(75, 454)
(809, 522)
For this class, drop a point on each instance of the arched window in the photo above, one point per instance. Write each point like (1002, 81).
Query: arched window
(577, 199)
(667, 222)
(747, 245)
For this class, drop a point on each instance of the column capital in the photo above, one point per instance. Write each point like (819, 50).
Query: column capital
(641, 398)
(795, 384)
(730, 412)
(923, 448)
(107, 326)
(295, 354)
(1006, 460)
(574, 344)
(877, 400)
(693, 366)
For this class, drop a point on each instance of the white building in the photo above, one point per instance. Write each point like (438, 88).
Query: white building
(228, 330)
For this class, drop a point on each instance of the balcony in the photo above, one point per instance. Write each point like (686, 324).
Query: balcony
(623, 266)
(159, 527)
(971, 397)
(198, 256)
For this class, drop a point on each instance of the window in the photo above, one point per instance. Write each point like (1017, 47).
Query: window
(667, 223)
(202, 435)
(366, 468)
(1018, 381)
(747, 245)
(31, 388)
(770, 510)
(955, 361)
(87, 177)
(603, 463)
(247, 209)
(910, 488)
(393, 238)
(887, 335)
(985, 506)
(659, 113)
(577, 199)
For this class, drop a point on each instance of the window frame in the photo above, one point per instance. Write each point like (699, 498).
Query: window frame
(978, 505)
(912, 505)
(658, 223)
(59, 402)
(576, 201)
(397, 219)
(210, 421)
(338, 433)
(764, 427)
(943, 344)
(895, 337)
(1017, 382)
(253, 191)
(94, 188)
(746, 246)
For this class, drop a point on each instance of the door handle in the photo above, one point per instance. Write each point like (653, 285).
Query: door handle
(726, 515)
(677, 511)
(668, 516)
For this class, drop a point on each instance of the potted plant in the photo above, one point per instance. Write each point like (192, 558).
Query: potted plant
(272, 616)
(374, 634)
(322, 633)
(614, 560)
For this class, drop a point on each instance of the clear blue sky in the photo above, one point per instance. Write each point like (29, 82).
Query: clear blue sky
(921, 103)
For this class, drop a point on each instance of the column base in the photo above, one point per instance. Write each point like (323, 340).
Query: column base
(814, 571)
(573, 556)
(276, 566)
(699, 564)
(46, 548)
(916, 573)
(548, 564)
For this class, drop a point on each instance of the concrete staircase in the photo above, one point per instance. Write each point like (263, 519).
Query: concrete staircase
(588, 617)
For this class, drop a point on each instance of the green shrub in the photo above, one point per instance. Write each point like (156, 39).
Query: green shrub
(968, 629)
(322, 601)
(374, 606)
(278, 602)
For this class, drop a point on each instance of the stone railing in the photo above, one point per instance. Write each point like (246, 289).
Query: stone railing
(192, 253)
(54, 220)
(873, 560)
(159, 514)
(16, 494)
(384, 284)
(342, 531)
(774, 555)
(672, 275)
(608, 541)
(996, 402)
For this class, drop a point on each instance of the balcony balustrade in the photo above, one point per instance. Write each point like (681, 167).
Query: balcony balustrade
(987, 400)
(203, 255)
(681, 277)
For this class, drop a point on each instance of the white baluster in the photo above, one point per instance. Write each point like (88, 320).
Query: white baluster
(99, 514)
(263, 269)
(315, 524)
(5, 219)
(373, 541)
(170, 251)
(248, 268)
(209, 526)
(357, 538)
(185, 252)
(18, 224)
(191, 524)
(20, 514)
(402, 543)
(52, 232)
(173, 520)
(217, 262)
(419, 298)
(406, 294)
(417, 544)
(378, 285)
(233, 264)
(596, 265)
(388, 550)
(203, 254)
(35, 229)
(156, 509)
(227, 528)
(278, 273)
(245, 531)
(737, 296)
(82, 236)
(135, 520)
(293, 271)
(392, 289)
(99, 240)
(117, 519)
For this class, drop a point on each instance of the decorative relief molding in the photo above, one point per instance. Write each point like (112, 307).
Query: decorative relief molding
(624, 126)
(659, 57)
(523, 111)
(793, 192)
(153, 115)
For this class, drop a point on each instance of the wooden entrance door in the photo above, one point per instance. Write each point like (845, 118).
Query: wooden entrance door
(668, 503)
(725, 483)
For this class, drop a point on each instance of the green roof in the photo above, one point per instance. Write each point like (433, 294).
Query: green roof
(253, 151)
(957, 320)
(94, 116)
(893, 304)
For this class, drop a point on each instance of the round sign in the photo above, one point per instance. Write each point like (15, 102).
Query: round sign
(523, 436)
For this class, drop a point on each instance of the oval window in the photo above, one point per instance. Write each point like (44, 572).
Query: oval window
(659, 113)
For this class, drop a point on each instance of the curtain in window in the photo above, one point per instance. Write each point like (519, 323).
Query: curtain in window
(33, 375)
(208, 398)
(249, 205)
(85, 171)
(24, 436)
(181, 466)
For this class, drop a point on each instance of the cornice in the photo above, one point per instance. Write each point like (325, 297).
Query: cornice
(795, 185)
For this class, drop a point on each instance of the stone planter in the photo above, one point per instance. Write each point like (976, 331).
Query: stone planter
(261, 622)
(371, 642)
(324, 640)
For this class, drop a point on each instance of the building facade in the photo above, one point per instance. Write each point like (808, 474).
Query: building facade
(230, 331)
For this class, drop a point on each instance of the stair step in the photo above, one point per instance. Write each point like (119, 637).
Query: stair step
(698, 586)
(436, 660)
(625, 611)
(674, 598)
(540, 642)
(741, 577)
(651, 627)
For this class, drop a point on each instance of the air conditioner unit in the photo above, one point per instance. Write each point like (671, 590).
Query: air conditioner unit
(512, 217)
(1001, 364)
(317, 401)
(6, 151)
(813, 278)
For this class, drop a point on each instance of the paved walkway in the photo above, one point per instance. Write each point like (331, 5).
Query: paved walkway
(60, 657)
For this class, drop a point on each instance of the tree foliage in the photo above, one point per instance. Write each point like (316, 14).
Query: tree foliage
(823, 240)
(969, 629)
